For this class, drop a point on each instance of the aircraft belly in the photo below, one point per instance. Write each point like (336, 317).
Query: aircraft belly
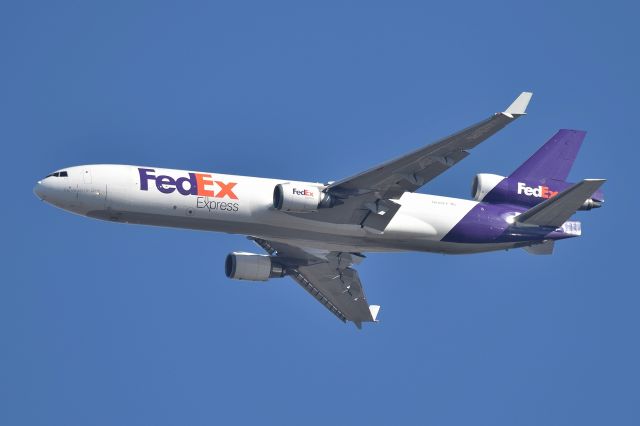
(304, 237)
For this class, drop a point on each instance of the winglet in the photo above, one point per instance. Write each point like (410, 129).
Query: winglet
(519, 106)
(374, 309)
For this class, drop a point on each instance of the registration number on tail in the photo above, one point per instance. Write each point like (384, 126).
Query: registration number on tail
(572, 228)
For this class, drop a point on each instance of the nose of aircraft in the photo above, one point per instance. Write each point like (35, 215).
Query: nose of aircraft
(39, 190)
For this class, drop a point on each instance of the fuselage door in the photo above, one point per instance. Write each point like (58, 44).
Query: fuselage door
(92, 195)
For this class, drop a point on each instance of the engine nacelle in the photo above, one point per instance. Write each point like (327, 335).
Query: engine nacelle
(252, 267)
(483, 183)
(590, 204)
(300, 198)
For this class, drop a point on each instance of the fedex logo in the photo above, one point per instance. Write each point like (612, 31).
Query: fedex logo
(304, 192)
(539, 192)
(196, 184)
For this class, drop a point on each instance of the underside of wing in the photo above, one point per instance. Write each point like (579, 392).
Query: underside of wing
(328, 277)
(409, 172)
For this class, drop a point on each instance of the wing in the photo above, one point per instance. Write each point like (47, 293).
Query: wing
(328, 277)
(367, 199)
(409, 172)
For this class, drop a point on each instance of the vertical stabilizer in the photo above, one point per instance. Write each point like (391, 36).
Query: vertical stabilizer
(554, 160)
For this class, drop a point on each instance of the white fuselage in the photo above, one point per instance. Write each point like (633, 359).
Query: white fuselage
(244, 205)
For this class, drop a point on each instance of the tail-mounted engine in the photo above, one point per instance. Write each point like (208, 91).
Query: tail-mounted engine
(300, 198)
(483, 183)
(252, 267)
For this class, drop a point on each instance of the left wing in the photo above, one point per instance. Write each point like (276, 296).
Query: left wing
(328, 277)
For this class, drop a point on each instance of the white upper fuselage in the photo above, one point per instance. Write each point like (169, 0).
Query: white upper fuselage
(244, 205)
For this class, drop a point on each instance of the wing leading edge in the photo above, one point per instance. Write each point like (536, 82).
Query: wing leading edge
(328, 277)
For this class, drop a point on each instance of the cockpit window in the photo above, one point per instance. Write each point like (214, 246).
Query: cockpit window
(58, 174)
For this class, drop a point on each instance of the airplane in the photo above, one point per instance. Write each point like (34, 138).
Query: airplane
(316, 232)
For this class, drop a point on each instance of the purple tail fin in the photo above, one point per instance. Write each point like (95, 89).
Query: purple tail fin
(553, 161)
(543, 175)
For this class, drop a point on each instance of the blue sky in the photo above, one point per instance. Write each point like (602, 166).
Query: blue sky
(106, 324)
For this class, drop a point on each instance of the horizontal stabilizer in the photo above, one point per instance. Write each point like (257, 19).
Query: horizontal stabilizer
(556, 210)
(541, 249)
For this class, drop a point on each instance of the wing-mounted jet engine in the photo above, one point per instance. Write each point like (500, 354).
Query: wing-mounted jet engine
(252, 267)
(301, 198)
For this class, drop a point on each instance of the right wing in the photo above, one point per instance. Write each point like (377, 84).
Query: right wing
(409, 172)
(328, 277)
(367, 199)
